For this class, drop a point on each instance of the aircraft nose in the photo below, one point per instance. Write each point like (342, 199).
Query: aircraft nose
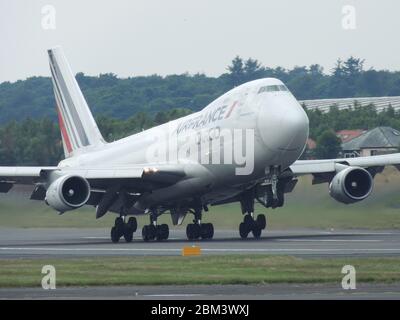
(283, 125)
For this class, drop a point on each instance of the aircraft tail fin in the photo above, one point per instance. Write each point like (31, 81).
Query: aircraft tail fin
(77, 125)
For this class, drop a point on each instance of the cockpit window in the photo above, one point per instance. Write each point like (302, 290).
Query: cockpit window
(273, 88)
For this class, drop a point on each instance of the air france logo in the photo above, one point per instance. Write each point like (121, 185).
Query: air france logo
(207, 117)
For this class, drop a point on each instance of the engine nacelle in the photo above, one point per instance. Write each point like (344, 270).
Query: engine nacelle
(351, 185)
(68, 193)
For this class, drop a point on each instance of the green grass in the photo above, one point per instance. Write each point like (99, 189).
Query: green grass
(307, 207)
(239, 269)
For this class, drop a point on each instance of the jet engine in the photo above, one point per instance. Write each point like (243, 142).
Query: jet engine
(68, 193)
(351, 185)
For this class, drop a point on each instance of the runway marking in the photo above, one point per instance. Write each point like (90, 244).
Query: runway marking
(333, 233)
(108, 238)
(326, 240)
(101, 238)
(204, 249)
(174, 295)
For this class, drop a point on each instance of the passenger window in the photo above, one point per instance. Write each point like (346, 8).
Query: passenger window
(273, 88)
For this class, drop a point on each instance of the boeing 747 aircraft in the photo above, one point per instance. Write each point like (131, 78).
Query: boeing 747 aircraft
(243, 147)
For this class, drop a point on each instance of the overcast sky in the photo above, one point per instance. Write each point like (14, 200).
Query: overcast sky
(142, 37)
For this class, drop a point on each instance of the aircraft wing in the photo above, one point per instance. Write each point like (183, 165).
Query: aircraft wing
(141, 176)
(323, 169)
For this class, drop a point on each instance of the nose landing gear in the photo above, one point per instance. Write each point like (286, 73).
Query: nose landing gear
(249, 224)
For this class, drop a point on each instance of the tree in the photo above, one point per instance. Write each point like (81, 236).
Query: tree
(328, 145)
(252, 69)
(236, 71)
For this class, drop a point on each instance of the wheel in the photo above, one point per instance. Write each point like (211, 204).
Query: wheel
(193, 231)
(132, 223)
(190, 231)
(145, 233)
(148, 232)
(119, 226)
(261, 221)
(210, 233)
(114, 235)
(119, 222)
(165, 231)
(128, 234)
(243, 230)
(162, 232)
(207, 230)
(248, 221)
(256, 232)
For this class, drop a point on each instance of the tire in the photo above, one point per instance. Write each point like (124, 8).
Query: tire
(148, 232)
(144, 233)
(243, 231)
(114, 235)
(162, 232)
(207, 231)
(261, 221)
(248, 221)
(189, 231)
(210, 234)
(152, 231)
(165, 231)
(256, 232)
(119, 226)
(197, 231)
(193, 231)
(119, 222)
(132, 223)
(128, 234)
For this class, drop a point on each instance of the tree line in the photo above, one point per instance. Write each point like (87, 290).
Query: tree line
(38, 142)
(29, 132)
(118, 98)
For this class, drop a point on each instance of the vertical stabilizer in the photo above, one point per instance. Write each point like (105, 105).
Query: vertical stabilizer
(78, 127)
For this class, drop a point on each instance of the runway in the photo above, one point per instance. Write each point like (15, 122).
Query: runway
(212, 292)
(56, 243)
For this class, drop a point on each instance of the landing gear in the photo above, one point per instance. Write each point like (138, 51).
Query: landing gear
(249, 224)
(129, 228)
(254, 226)
(197, 229)
(122, 228)
(275, 191)
(153, 231)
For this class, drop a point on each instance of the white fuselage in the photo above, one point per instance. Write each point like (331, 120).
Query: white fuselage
(278, 121)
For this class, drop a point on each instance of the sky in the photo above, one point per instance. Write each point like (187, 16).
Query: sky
(143, 37)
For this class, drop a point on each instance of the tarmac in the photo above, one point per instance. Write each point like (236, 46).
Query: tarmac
(71, 243)
(39, 243)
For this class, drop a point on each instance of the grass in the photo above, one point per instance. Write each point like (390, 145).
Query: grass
(307, 207)
(249, 269)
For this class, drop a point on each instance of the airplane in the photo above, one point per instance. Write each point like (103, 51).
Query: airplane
(176, 167)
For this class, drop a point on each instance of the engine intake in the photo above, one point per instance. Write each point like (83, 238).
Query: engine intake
(68, 193)
(351, 185)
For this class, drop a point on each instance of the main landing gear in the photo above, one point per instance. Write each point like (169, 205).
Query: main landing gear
(250, 224)
(153, 231)
(197, 229)
(122, 228)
